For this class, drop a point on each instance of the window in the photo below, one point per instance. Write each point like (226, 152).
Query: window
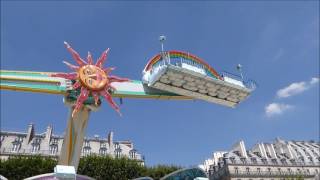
(35, 148)
(268, 154)
(264, 161)
(232, 159)
(86, 143)
(86, 151)
(243, 160)
(274, 161)
(118, 153)
(116, 145)
(54, 141)
(132, 154)
(258, 170)
(53, 149)
(293, 161)
(103, 149)
(36, 145)
(258, 154)
(15, 147)
(269, 170)
(284, 161)
(248, 170)
(16, 144)
(236, 170)
(254, 160)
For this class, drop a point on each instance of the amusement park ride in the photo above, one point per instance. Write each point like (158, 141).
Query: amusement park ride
(167, 75)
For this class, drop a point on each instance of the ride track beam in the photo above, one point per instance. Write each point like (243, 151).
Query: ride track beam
(42, 82)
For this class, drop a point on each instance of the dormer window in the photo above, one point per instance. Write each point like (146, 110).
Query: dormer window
(16, 146)
(103, 149)
(274, 161)
(232, 159)
(54, 141)
(132, 154)
(257, 154)
(243, 160)
(116, 146)
(53, 149)
(284, 161)
(268, 154)
(35, 145)
(86, 143)
(118, 153)
(254, 160)
(264, 161)
(237, 153)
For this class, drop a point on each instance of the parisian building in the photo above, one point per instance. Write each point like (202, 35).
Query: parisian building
(48, 144)
(279, 160)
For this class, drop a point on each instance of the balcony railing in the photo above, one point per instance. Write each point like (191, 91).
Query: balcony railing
(5, 151)
(270, 163)
(270, 174)
(30, 152)
(256, 174)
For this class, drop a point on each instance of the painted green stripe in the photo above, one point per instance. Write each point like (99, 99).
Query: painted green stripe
(23, 74)
(33, 86)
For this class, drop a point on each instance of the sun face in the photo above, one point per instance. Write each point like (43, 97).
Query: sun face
(91, 78)
(94, 78)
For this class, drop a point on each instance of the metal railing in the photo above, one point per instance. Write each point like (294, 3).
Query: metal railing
(270, 163)
(270, 174)
(29, 152)
(248, 83)
(224, 172)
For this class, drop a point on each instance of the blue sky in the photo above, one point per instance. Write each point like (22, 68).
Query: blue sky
(276, 42)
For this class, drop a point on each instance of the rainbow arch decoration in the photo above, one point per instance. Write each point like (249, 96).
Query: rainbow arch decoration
(176, 55)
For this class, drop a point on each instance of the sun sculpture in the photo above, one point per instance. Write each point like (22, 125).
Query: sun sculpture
(91, 79)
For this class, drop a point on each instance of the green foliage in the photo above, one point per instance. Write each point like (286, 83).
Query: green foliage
(23, 167)
(93, 166)
(110, 168)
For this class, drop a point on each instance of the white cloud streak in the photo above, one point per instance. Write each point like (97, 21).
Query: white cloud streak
(296, 88)
(276, 109)
(314, 80)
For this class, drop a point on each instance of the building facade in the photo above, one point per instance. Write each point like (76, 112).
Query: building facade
(48, 144)
(273, 161)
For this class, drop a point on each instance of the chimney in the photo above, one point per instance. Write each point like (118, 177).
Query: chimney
(48, 134)
(110, 139)
(30, 133)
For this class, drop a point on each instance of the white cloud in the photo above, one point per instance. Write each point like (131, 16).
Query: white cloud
(276, 109)
(314, 80)
(296, 88)
(292, 89)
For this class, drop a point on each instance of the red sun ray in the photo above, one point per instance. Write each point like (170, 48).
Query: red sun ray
(96, 97)
(92, 78)
(109, 99)
(82, 97)
(76, 85)
(108, 70)
(89, 58)
(71, 66)
(102, 58)
(75, 55)
(71, 76)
